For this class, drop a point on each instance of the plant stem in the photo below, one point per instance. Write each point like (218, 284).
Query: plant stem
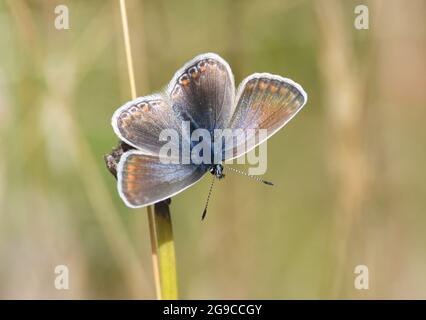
(160, 223)
(166, 251)
(154, 254)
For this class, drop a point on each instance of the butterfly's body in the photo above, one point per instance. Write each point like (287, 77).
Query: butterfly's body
(201, 94)
(217, 171)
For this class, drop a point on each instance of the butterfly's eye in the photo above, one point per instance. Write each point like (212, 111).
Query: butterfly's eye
(184, 80)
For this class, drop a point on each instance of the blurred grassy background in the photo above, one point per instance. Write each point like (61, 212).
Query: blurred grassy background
(348, 170)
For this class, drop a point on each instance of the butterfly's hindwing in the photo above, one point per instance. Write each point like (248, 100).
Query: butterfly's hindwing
(143, 179)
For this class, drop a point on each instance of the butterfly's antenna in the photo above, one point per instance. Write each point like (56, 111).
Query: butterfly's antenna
(208, 198)
(248, 175)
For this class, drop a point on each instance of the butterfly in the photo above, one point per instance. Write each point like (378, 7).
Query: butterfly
(201, 93)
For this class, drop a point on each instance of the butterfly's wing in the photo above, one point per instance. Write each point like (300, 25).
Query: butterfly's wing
(203, 91)
(144, 180)
(139, 122)
(264, 101)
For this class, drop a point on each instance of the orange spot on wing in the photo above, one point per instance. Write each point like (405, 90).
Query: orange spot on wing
(283, 91)
(202, 66)
(262, 85)
(130, 186)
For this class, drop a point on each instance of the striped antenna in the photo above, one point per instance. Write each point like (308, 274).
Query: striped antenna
(208, 198)
(248, 175)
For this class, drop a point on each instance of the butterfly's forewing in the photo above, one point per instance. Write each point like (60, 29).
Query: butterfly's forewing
(264, 101)
(144, 179)
(203, 91)
(140, 122)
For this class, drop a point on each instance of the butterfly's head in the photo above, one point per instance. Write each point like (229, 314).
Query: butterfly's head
(217, 171)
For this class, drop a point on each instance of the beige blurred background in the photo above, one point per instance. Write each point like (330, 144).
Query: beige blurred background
(349, 169)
